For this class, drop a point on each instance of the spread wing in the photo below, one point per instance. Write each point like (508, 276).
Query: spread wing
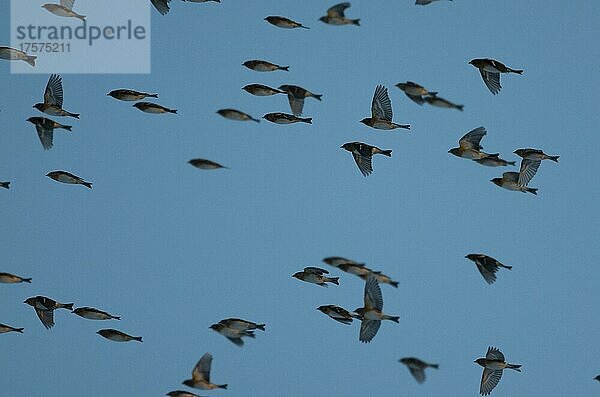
(472, 139)
(337, 11)
(489, 380)
(236, 341)
(528, 170)
(364, 163)
(161, 5)
(54, 91)
(68, 4)
(487, 269)
(202, 369)
(368, 330)
(381, 107)
(45, 136)
(491, 80)
(418, 373)
(315, 270)
(296, 104)
(46, 317)
(494, 354)
(373, 298)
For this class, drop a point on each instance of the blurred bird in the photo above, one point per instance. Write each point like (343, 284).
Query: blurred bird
(425, 2)
(487, 266)
(7, 328)
(335, 16)
(205, 164)
(264, 66)
(518, 181)
(261, 90)
(64, 9)
(53, 99)
(381, 112)
(12, 54)
(415, 91)
(282, 22)
(284, 118)
(296, 96)
(535, 154)
(469, 146)
(316, 275)
(490, 72)
(201, 375)
(372, 312)
(493, 364)
(153, 108)
(130, 95)
(417, 367)
(45, 129)
(8, 278)
(363, 154)
(67, 177)
(117, 336)
(180, 393)
(233, 114)
(44, 308)
(94, 314)
(440, 102)
(494, 161)
(234, 335)
(358, 269)
(241, 325)
(5, 185)
(335, 261)
(161, 6)
(338, 313)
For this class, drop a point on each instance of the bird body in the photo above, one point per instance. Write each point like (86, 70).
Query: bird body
(12, 54)
(283, 22)
(316, 275)
(363, 154)
(440, 102)
(487, 266)
(535, 154)
(335, 16)
(381, 112)
(130, 95)
(64, 9)
(67, 177)
(261, 90)
(264, 66)
(153, 108)
(236, 115)
(205, 164)
(493, 364)
(338, 313)
(371, 314)
(490, 71)
(284, 118)
(44, 308)
(8, 278)
(201, 375)
(53, 99)
(417, 367)
(118, 336)
(94, 314)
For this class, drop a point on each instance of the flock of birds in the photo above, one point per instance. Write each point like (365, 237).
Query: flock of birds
(371, 314)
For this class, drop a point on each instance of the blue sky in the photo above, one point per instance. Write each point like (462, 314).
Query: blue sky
(173, 249)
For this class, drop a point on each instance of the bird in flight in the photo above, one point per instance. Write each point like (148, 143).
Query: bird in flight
(493, 364)
(490, 70)
(371, 313)
(201, 375)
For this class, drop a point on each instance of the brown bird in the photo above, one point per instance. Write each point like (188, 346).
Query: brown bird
(282, 22)
(233, 114)
(153, 108)
(487, 266)
(44, 308)
(45, 130)
(8, 278)
(316, 275)
(417, 367)
(381, 112)
(363, 154)
(264, 66)
(493, 364)
(53, 99)
(67, 177)
(201, 375)
(117, 336)
(490, 70)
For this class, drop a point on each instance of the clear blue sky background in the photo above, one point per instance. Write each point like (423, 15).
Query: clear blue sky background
(173, 249)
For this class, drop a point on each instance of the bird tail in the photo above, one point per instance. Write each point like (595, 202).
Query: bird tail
(395, 319)
(152, 95)
(516, 71)
(30, 60)
(261, 326)
(253, 119)
(286, 68)
(553, 158)
(26, 280)
(76, 115)
(514, 366)
(20, 330)
(5, 185)
(334, 280)
(137, 338)
(303, 27)
(511, 163)
(436, 366)
(531, 190)
(67, 127)
(356, 22)
(174, 111)
(222, 386)
(250, 334)
(394, 284)
(405, 126)
(386, 153)
(68, 306)
(307, 120)
(82, 17)
(460, 107)
(87, 184)
(317, 96)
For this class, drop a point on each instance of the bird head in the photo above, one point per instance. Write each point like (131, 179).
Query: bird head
(455, 151)
(298, 275)
(480, 361)
(497, 181)
(366, 121)
(519, 152)
(30, 301)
